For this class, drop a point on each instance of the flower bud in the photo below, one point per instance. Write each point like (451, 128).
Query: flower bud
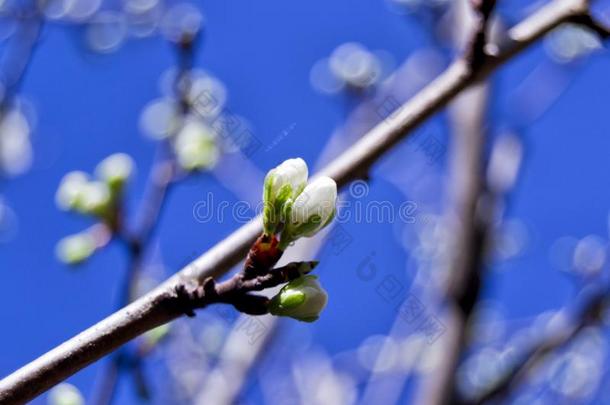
(312, 210)
(115, 170)
(195, 147)
(282, 185)
(77, 193)
(302, 299)
(65, 394)
(95, 199)
(75, 249)
(70, 191)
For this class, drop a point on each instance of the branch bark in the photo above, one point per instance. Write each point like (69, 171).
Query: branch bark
(163, 304)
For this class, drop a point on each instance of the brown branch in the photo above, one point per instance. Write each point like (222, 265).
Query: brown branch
(162, 304)
(477, 54)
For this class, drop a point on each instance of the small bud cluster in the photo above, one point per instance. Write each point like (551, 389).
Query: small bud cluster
(195, 146)
(302, 299)
(295, 209)
(98, 197)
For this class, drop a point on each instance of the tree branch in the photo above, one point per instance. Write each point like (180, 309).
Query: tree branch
(163, 304)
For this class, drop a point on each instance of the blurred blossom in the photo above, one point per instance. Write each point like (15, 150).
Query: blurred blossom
(75, 249)
(320, 384)
(76, 192)
(95, 198)
(15, 147)
(355, 65)
(511, 239)
(8, 222)
(80, 10)
(585, 257)
(378, 353)
(350, 65)
(182, 21)
(589, 255)
(106, 31)
(425, 239)
(212, 336)
(65, 394)
(575, 375)
(57, 9)
(195, 146)
(504, 163)
(70, 190)
(570, 42)
(139, 6)
(115, 170)
(157, 119)
(322, 79)
(143, 16)
(207, 94)
(480, 370)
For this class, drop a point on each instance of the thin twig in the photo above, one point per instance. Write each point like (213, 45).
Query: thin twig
(160, 180)
(163, 304)
(466, 233)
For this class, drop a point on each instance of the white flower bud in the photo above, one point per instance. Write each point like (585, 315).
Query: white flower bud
(302, 299)
(282, 185)
(115, 170)
(195, 147)
(95, 199)
(70, 190)
(75, 249)
(312, 210)
(77, 193)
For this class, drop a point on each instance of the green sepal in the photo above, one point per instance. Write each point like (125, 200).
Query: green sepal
(291, 299)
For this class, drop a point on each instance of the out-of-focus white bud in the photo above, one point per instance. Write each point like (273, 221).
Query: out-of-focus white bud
(95, 199)
(70, 192)
(195, 147)
(77, 193)
(302, 299)
(353, 64)
(75, 249)
(312, 210)
(282, 186)
(115, 170)
(65, 394)
(570, 42)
